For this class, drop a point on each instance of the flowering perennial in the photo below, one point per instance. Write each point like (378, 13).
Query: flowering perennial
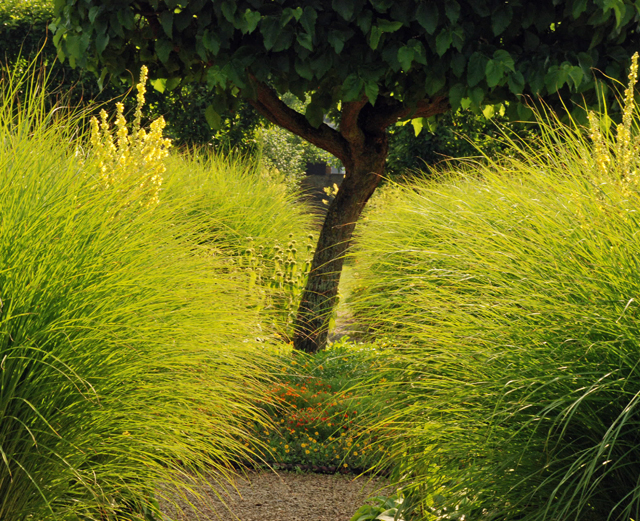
(626, 146)
(138, 153)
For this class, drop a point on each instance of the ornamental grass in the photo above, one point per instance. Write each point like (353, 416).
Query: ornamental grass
(128, 355)
(511, 287)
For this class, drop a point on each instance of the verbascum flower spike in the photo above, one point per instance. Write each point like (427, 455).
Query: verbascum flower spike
(123, 154)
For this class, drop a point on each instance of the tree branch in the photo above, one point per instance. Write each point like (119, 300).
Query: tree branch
(349, 127)
(391, 112)
(275, 110)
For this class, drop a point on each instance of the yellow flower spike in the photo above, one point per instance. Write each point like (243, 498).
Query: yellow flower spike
(123, 153)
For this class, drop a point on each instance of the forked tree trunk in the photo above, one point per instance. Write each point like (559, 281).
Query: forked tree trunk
(361, 143)
(363, 175)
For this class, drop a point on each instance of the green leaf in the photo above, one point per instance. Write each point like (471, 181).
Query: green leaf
(166, 20)
(586, 62)
(555, 78)
(364, 20)
(443, 41)
(434, 83)
(252, 18)
(381, 5)
(618, 7)
(270, 29)
(494, 71)
(308, 20)
(337, 40)
(213, 118)
(576, 75)
(524, 112)
(159, 84)
(457, 38)
(579, 7)
(211, 41)
(456, 93)
(102, 40)
(505, 59)
(94, 12)
(489, 111)
(419, 52)
(305, 40)
(516, 82)
(344, 8)
(374, 37)
(126, 19)
(452, 9)
(501, 19)
(183, 20)
(476, 68)
(405, 57)
(303, 68)
(476, 95)
(458, 63)
(163, 50)
(417, 124)
(352, 87)
(115, 25)
(216, 76)
(229, 10)
(322, 64)
(284, 41)
(371, 90)
(287, 16)
(314, 114)
(172, 83)
(481, 8)
(427, 16)
(387, 26)
(236, 74)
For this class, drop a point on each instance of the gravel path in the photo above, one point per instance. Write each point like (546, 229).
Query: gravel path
(284, 496)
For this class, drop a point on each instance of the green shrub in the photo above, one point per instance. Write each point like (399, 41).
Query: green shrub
(511, 288)
(127, 353)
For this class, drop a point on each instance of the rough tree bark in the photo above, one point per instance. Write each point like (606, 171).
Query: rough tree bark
(361, 143)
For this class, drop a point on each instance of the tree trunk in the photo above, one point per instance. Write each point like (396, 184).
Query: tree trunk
(361, 143)
(363, 174)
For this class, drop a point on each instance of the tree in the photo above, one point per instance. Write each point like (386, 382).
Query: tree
(371, 62)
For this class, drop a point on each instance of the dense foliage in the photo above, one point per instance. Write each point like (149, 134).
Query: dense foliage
(480, 50)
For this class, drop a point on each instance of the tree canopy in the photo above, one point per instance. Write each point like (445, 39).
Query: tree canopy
(370, 62)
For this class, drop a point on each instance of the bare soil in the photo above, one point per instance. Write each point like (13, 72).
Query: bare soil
(284, 496)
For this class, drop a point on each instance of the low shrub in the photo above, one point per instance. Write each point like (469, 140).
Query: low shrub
(510, 288)
(322, 406)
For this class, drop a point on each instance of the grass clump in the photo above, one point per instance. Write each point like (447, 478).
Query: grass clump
(511, 288)
(127, 354)
(258, 226)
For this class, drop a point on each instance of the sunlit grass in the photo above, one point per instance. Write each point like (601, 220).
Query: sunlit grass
(128, 355)
(511, 289)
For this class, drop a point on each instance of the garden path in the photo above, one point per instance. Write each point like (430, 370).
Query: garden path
(287, 496)
(283, 496)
